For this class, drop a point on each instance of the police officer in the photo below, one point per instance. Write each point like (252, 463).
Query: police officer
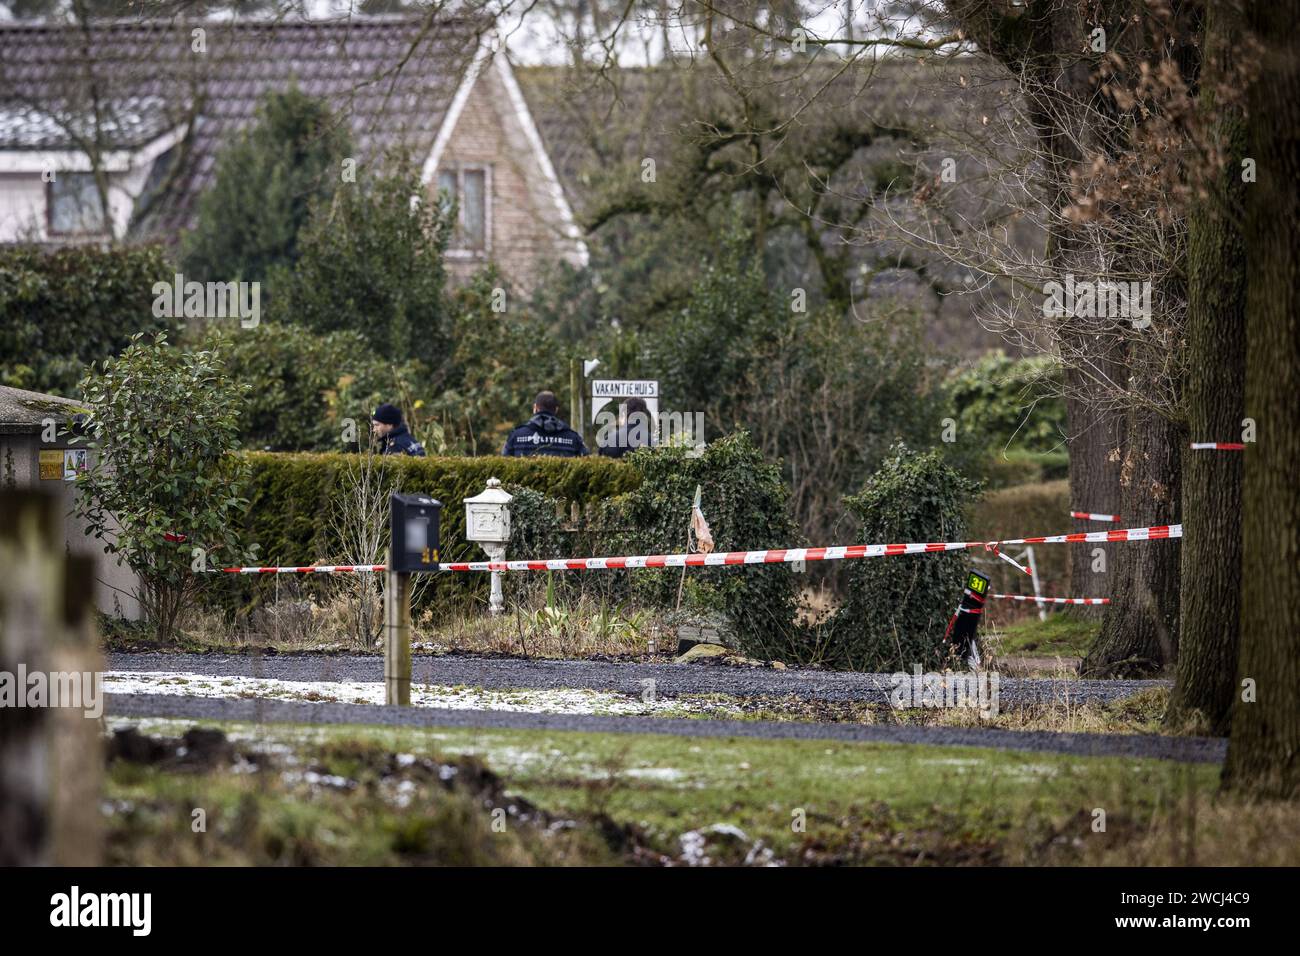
(394, 438)
(545, 433)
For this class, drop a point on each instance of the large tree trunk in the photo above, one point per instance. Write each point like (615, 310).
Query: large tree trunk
(1140, 633)
(1214, 397)
(1096, 447)
(1044, 46)
(1264, 751)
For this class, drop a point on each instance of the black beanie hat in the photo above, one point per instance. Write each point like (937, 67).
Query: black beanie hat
(388, 414)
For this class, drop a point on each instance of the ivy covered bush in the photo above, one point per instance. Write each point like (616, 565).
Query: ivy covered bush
(747, 505)
(896, 609)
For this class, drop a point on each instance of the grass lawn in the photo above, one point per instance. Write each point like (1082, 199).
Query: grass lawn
(1061, 635)
(339, 794)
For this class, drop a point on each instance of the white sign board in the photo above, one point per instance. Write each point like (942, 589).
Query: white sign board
(74, 463)
(606, 390)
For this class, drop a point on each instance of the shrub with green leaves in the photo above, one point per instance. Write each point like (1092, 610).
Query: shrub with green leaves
(371, 259)
(294, 496)
(163, 428)
(1011, 404)
(897, 608)
(501, 355)
(64, 309)
(266, 181)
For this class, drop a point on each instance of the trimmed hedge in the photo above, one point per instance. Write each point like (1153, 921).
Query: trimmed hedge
(1027, 511)
(562, 508)
(293, 495)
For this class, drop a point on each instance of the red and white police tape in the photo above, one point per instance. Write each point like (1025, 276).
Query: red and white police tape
(728, 558)
(1090, 516)
(992, 546)
(1050, 600)
(306, 569)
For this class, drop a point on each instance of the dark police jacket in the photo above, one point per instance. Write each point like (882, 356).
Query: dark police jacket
(400, 442)
(544, 434)
(625, 440)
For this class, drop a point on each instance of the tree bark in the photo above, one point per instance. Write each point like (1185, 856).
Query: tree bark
(1214, 400)
(1139, 636)
(1096, 446)
(1264, 749)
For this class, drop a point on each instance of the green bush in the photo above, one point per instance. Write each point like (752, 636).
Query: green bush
(642, 506)
(305, 382)
(501, 354)
(897, 608)
(65, 309)
(1010, 404)
(163, 428)
(537, 525)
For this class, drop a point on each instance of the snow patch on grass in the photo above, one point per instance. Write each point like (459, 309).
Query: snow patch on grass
(547, 701)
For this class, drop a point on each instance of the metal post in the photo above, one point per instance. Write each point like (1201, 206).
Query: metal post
(1033, 574)
(496, 602)
(397, 639)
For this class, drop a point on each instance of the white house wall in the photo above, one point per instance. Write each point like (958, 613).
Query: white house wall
(23, 199)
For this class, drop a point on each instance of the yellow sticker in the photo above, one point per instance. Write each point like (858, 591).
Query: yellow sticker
(51, 464)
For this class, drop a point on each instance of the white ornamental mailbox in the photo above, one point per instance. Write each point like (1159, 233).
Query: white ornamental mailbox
(487, 515)
(487, 522)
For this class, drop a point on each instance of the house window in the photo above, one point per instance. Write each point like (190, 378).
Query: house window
(470, 188)
(74, 206)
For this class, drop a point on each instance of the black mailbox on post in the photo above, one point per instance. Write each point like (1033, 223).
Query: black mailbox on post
(414, 527)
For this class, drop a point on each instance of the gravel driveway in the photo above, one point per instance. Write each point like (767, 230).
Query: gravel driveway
(671, 680)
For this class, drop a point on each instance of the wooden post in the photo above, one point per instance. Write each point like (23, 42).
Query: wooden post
(397, 639)
(51, 758)
(577, 420)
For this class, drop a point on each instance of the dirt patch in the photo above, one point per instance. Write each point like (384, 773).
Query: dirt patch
(200, 749)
